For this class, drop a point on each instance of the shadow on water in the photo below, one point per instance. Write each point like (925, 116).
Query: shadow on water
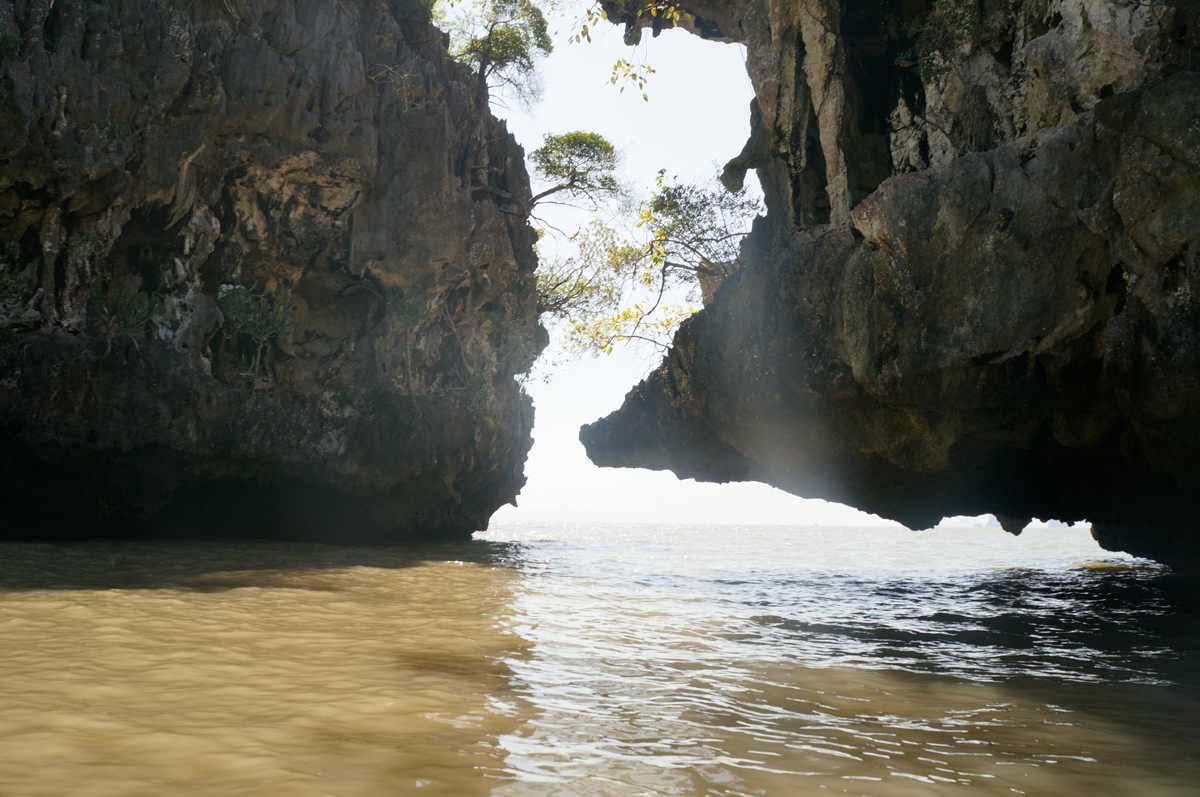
(218, 566)
(1137, 624)
(1117, 643)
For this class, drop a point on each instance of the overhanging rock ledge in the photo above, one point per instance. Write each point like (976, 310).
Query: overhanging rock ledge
(976, 286)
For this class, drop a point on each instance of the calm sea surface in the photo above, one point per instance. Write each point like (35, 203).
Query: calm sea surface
(600, 661)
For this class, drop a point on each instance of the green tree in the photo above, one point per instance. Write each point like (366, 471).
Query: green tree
(582, 166)
(696, 231)
(260, 317)
(614, 287)
(590, 283)
(617, 288)
(502, 40)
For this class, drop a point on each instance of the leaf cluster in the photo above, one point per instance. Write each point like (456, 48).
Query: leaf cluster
(502, 40)
(614, 288)
(591, 283)
(627, 72)
(409, 311)
(123, 134)
(696, 229)
(944, 28)
(118, 310)
(579, 165)
(478, 386)
(260, 317)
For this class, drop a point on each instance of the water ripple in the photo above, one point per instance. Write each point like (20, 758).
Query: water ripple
(600, 661)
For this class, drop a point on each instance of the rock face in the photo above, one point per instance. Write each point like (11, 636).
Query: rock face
(249, 285)
(976, 287)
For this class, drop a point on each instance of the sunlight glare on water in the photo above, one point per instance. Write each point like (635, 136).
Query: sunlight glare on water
(600, 661)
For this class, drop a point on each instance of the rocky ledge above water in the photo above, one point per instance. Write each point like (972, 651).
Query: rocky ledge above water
(250, 283)
(975, 288)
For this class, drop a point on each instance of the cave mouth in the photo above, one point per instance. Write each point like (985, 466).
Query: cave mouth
(147, 241)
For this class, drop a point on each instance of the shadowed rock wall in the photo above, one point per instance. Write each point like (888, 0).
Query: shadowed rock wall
(975, 287)
(155, 155)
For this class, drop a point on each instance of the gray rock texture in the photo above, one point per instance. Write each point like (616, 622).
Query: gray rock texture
(975, 289)
(155, 156)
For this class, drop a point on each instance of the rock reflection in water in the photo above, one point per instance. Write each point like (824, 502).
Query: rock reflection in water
(600, 661)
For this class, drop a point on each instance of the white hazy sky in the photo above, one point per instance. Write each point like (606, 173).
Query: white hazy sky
(698, 115)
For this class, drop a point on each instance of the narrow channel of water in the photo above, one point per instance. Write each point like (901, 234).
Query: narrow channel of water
(600, 660)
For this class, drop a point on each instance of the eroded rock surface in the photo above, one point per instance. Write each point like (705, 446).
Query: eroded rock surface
(156, 155)
(990, 307)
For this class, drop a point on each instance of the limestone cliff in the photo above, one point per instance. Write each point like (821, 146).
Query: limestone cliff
(249, 284)
(975, 289)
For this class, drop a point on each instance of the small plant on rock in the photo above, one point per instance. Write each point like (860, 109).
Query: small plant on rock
(123, 134)
(478, 388)
(945, 27)
(410, 313)
(15, 287)
(260, 317)
(12, 282)
(10, 44)
(117, 310)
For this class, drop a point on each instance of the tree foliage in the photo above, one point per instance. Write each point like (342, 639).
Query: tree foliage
(944, 27)
(612, 286)
(260, 317)
(617, 288)
(696, 230)
(581, 166)
(502, 40)
(591, 282)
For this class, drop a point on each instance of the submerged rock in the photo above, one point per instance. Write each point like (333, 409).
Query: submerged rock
(249, 285)
(974, 290)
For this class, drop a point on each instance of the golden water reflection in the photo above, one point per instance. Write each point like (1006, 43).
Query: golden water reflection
(313, 677)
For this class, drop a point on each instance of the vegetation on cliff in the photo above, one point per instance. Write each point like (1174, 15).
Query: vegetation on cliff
(616, 282)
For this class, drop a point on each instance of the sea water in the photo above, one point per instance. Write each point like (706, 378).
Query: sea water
(600, 660)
